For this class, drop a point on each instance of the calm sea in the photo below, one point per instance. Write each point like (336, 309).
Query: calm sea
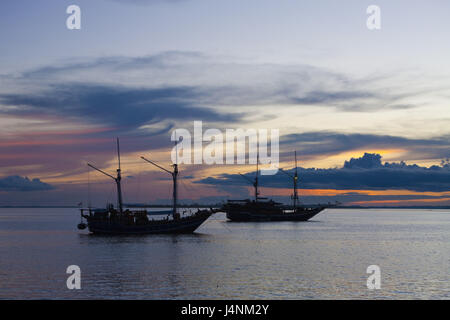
(325, 258)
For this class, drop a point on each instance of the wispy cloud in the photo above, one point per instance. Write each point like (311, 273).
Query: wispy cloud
(313, 144)
(224, 81)
(117, 106)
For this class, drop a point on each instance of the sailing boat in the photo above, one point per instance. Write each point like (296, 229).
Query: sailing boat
(262, 209)
(119, 221)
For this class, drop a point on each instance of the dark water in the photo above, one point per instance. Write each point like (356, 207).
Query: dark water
(324, 258)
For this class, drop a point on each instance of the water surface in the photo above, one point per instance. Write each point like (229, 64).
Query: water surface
(325, 258)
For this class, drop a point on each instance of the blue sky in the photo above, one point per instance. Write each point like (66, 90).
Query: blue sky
(327, 33)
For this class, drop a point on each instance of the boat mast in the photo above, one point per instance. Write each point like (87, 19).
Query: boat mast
(253, 182)
(116, 179)
(295, 179)
(174, 178)
(256, 179)
(175, 189)
(295, 196)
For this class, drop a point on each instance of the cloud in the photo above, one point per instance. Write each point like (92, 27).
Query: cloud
(115, 105)
(365, 173)
(312, 144)
(143, 98)
(326, 97)
(224, 81)
(18, 183)
(368, 161)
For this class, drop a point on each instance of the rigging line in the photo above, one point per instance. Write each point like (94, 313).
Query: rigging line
(170, 192)
(110, 196)
(126, 180)
(89, 187)
(138, 196)
(192, 187)
(189, 188)
(184, 185)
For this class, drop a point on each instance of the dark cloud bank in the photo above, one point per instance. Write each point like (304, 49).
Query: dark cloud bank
(18, 183)
(268, 85)
(365, 173)
(116, 105)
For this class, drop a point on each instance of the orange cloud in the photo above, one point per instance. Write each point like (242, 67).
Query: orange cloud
(443, 201)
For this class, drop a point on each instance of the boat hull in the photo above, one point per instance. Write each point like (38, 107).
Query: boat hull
(178, 226)
(252, 216)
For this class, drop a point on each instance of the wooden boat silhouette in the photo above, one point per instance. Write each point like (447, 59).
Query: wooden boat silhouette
(119, 221)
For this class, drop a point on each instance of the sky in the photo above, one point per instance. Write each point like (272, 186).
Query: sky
(366, 110)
